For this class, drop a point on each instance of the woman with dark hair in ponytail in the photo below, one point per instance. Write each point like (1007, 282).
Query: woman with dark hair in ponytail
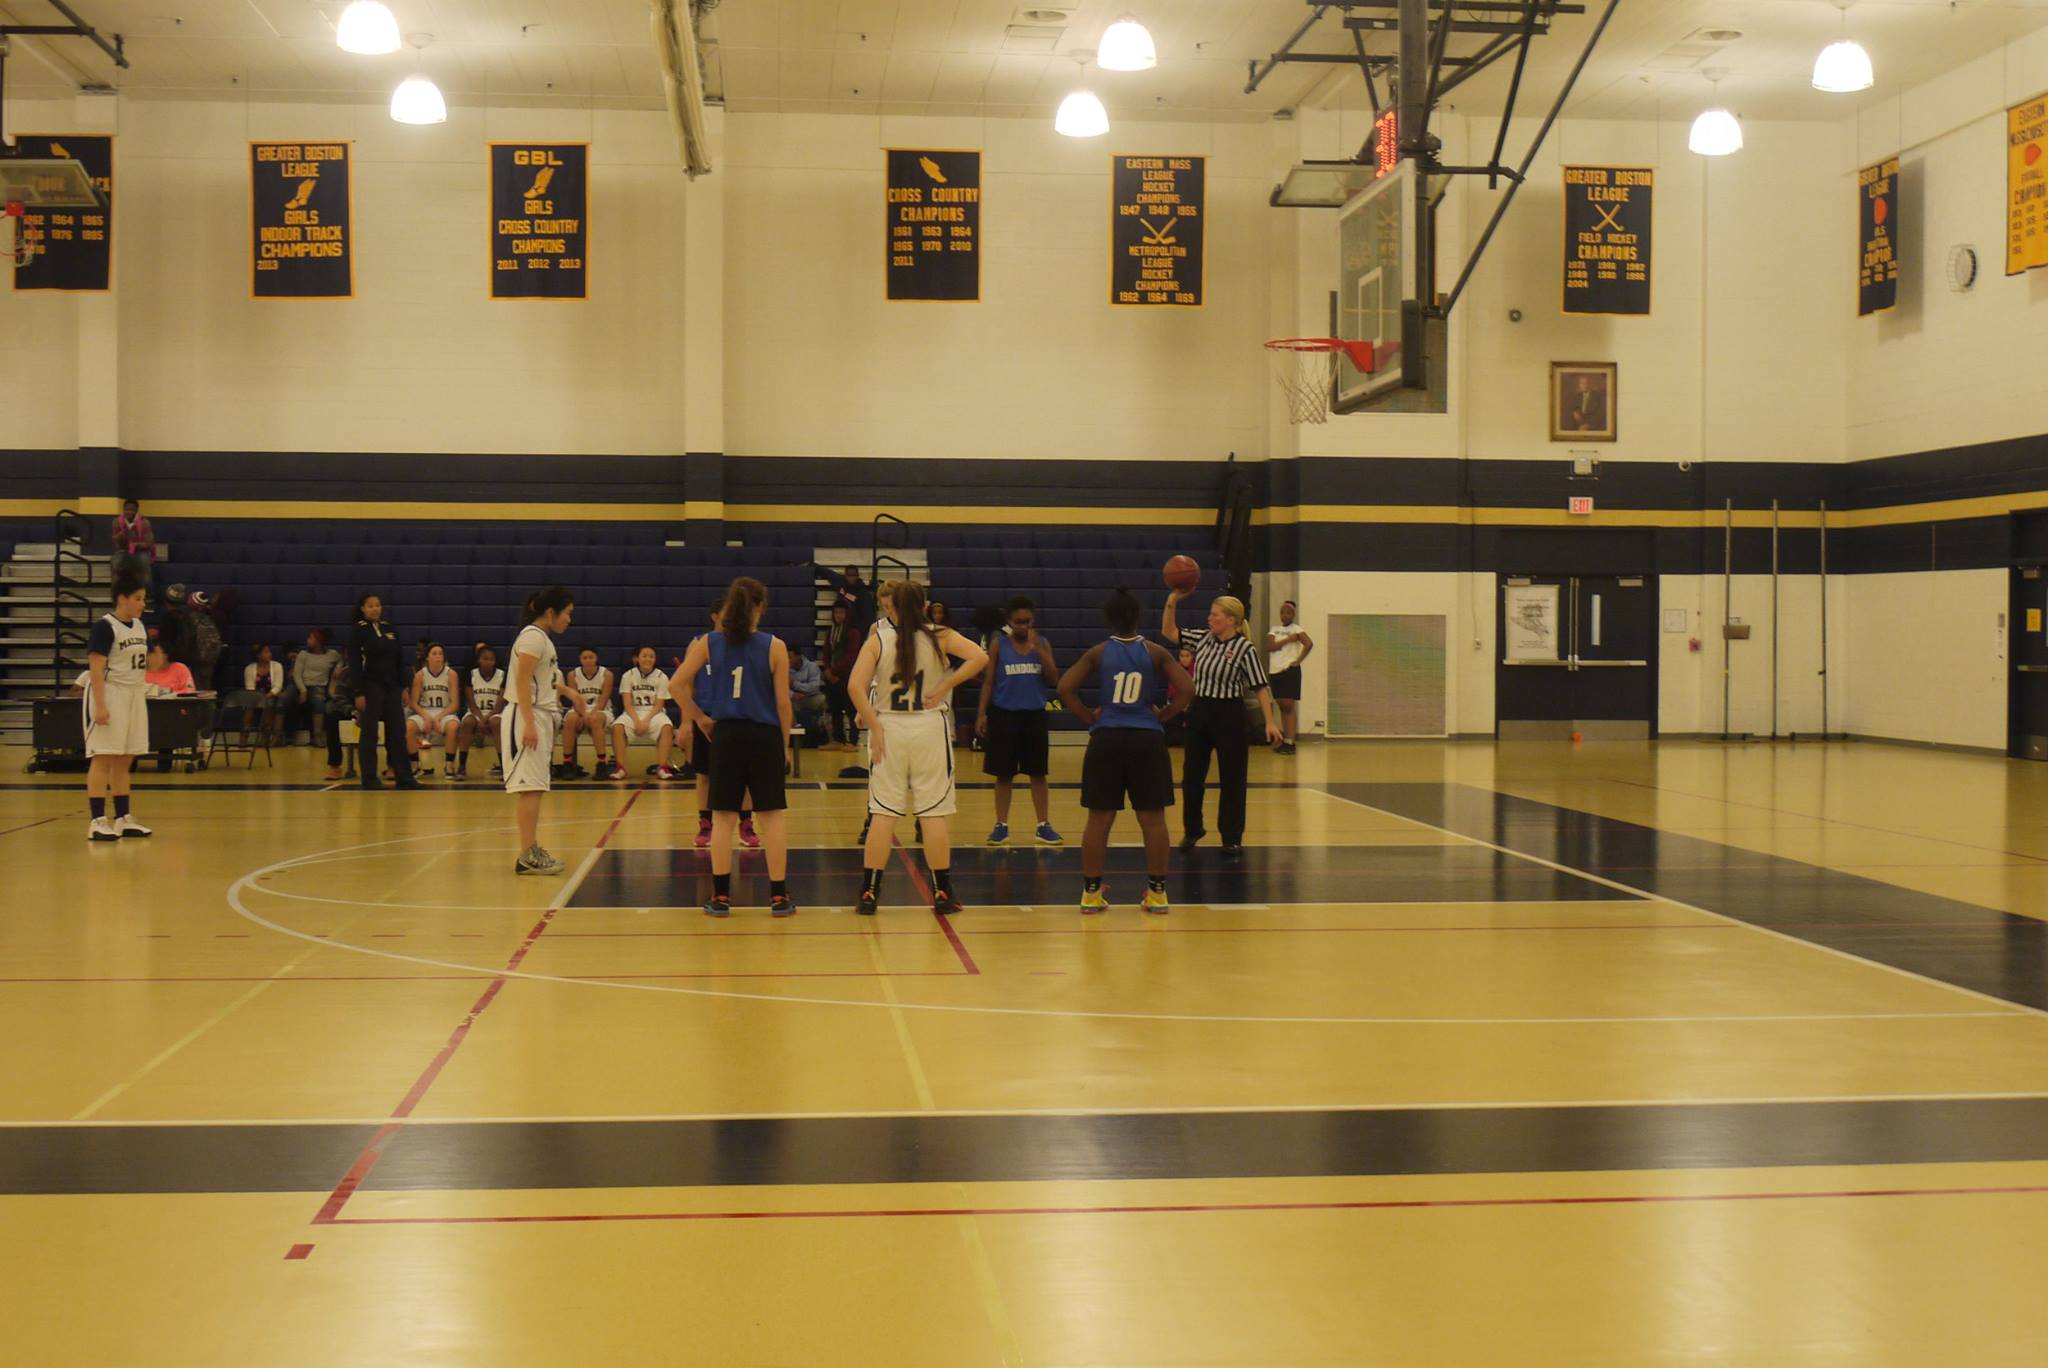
(532, 716)
(377, 661)
(749, 718)
(902, 686)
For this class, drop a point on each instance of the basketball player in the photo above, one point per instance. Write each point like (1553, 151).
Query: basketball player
(1010, 718)
(486, 706)
(593, 683)
(643, 715)
(1126, 747)
(433, 708)
(1287, 645)
(527, 735)
(116, 705)
(750, 719)
(902, 690)
(700, 742)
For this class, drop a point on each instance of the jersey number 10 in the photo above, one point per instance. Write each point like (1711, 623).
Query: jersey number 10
(1126, 687)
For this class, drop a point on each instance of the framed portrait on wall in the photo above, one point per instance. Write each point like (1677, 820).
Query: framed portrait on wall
(1583, 396)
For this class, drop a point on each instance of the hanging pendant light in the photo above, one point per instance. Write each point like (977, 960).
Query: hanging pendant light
(1081, 115)
(1715, 133)
(1126, 46)
(368, 29)
(418, 100)
(1843, 67)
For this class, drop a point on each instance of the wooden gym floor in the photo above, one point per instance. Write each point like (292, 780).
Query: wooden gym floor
(1518, 1055)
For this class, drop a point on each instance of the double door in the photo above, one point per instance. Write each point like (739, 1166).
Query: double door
(2027, 690)
(1577, 649)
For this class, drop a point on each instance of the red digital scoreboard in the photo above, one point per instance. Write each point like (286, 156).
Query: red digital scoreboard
(1386, 141)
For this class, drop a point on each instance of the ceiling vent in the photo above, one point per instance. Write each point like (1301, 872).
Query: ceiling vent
(1031, 38)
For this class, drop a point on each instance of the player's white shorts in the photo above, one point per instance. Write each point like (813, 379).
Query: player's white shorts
(649, 730)
(528, 769)
(598, 719)
(914, 777)
(449, 722)
(482, 727)
(126, 730)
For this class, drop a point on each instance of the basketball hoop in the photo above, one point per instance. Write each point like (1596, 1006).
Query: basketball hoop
(1306, 369)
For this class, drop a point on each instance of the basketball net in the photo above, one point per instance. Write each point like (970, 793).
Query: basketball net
(1306, 370)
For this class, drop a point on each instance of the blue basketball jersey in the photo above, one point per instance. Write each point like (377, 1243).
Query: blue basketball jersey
(700, 688)
(1129, 680)
(1020, 679)
(742, 684)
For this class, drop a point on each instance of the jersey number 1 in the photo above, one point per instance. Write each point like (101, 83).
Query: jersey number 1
(1126, 687)
(737, 671)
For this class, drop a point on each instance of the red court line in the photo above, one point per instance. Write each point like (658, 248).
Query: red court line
(30, 826)
(471, 978)
(1191, 1208)
(374, 1150)
(925, 891)
(299, 1251)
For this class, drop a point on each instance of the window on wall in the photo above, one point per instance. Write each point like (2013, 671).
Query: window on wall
(1386, 674)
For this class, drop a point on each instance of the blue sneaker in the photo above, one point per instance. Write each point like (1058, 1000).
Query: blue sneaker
(718, 906)
(1047, 836)
(781, 905)
(1000, 834)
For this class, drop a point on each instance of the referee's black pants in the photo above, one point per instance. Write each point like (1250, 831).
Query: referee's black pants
(1216, 725)
(386, 705)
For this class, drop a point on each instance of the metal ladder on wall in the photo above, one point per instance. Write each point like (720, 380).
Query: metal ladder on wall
(888, 555)
(50, 592)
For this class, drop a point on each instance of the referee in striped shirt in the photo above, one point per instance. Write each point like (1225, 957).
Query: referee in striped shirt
(1227, 666)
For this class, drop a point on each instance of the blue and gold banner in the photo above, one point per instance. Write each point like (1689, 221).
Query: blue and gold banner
(934, 217)
(540, 220)
(301, 239)
(1156, 222)
(1607, 239)
(72, 249)
(1877, 267)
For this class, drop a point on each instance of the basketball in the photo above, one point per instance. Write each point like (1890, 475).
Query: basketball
(1183, 573)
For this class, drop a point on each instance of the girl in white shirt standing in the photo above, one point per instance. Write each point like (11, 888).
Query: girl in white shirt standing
(1287, 645)
(527, 735)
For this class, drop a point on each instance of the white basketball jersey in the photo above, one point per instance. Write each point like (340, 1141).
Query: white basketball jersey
(590, 686)
(437, 691)
(126, 647)
(535, 643)
(644, 691)
(486, 692)
(890, 694)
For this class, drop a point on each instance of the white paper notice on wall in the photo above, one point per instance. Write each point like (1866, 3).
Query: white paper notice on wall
(1998, 652)
(1674, 621)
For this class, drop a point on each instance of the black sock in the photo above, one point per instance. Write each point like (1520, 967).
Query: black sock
(721, 885)
(1092, 885)
(778, 888)
(120, 806)
(99, 807)
(704, 815)
(942, 880)
(746, 814)
(1156, 882)
(871, 882)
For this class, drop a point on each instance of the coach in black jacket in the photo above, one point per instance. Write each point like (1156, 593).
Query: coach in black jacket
(377, 660)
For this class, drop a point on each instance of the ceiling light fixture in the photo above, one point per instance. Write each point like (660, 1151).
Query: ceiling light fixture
(1126, 46)
(367, 29)
(1715, 133)
(418, 100)
(1843, 67)
(1081, 115)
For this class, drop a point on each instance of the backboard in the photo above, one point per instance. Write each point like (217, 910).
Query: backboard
(1376, 275)
(46, 183)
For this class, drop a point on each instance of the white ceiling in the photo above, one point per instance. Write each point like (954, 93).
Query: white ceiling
(949, 56)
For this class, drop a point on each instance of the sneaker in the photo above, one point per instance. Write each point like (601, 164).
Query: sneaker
(1233, 852)
(944, 903)
(999, 834)
(128, 826)
(1093, 902)
(747, 836)
(718, 905)
(1047, 836)
(867, 904)
(102, 829)
(1155, 902)
(616, 773)
(781, 905)
(456, 776)
(1192, 839)
(703, 834)
(409, 782)
(497, 771)
(665, 774)
(333, 773)
(1285, 748)
(534, 860)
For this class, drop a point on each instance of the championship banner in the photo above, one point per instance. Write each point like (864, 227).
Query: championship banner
(539, 222)
(934, 214)
(300, 240)
(2026, 186)
(73, 248)
(1155, 230)
(1877, 271)
(1607, 239)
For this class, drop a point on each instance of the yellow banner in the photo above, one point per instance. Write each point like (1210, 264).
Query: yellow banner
(2026, 186)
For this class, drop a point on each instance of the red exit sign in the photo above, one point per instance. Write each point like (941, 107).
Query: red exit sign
(1579, 503)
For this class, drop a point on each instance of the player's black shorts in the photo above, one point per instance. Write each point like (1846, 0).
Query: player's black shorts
(748, 760)
(1018, 743)
(1126, 762)
(1287, 684)
(700, 751)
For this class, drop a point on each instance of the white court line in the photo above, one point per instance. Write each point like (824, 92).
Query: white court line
(1528, 1104)
(248, 881)
(2011, 1008)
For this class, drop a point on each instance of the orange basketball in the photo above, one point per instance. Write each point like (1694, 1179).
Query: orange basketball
(1183, 573)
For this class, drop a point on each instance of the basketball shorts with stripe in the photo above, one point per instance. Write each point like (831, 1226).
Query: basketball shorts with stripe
(914, 777)
(528, 769)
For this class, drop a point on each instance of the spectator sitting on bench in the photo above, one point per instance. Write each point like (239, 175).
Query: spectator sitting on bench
(807, 694)
(166, 677)
(265, 676)
(312, 674)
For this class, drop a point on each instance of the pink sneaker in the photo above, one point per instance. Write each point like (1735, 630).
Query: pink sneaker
(747, 836)
(703, 834)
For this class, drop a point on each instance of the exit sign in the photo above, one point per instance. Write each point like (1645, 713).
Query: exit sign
(1579, 503)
